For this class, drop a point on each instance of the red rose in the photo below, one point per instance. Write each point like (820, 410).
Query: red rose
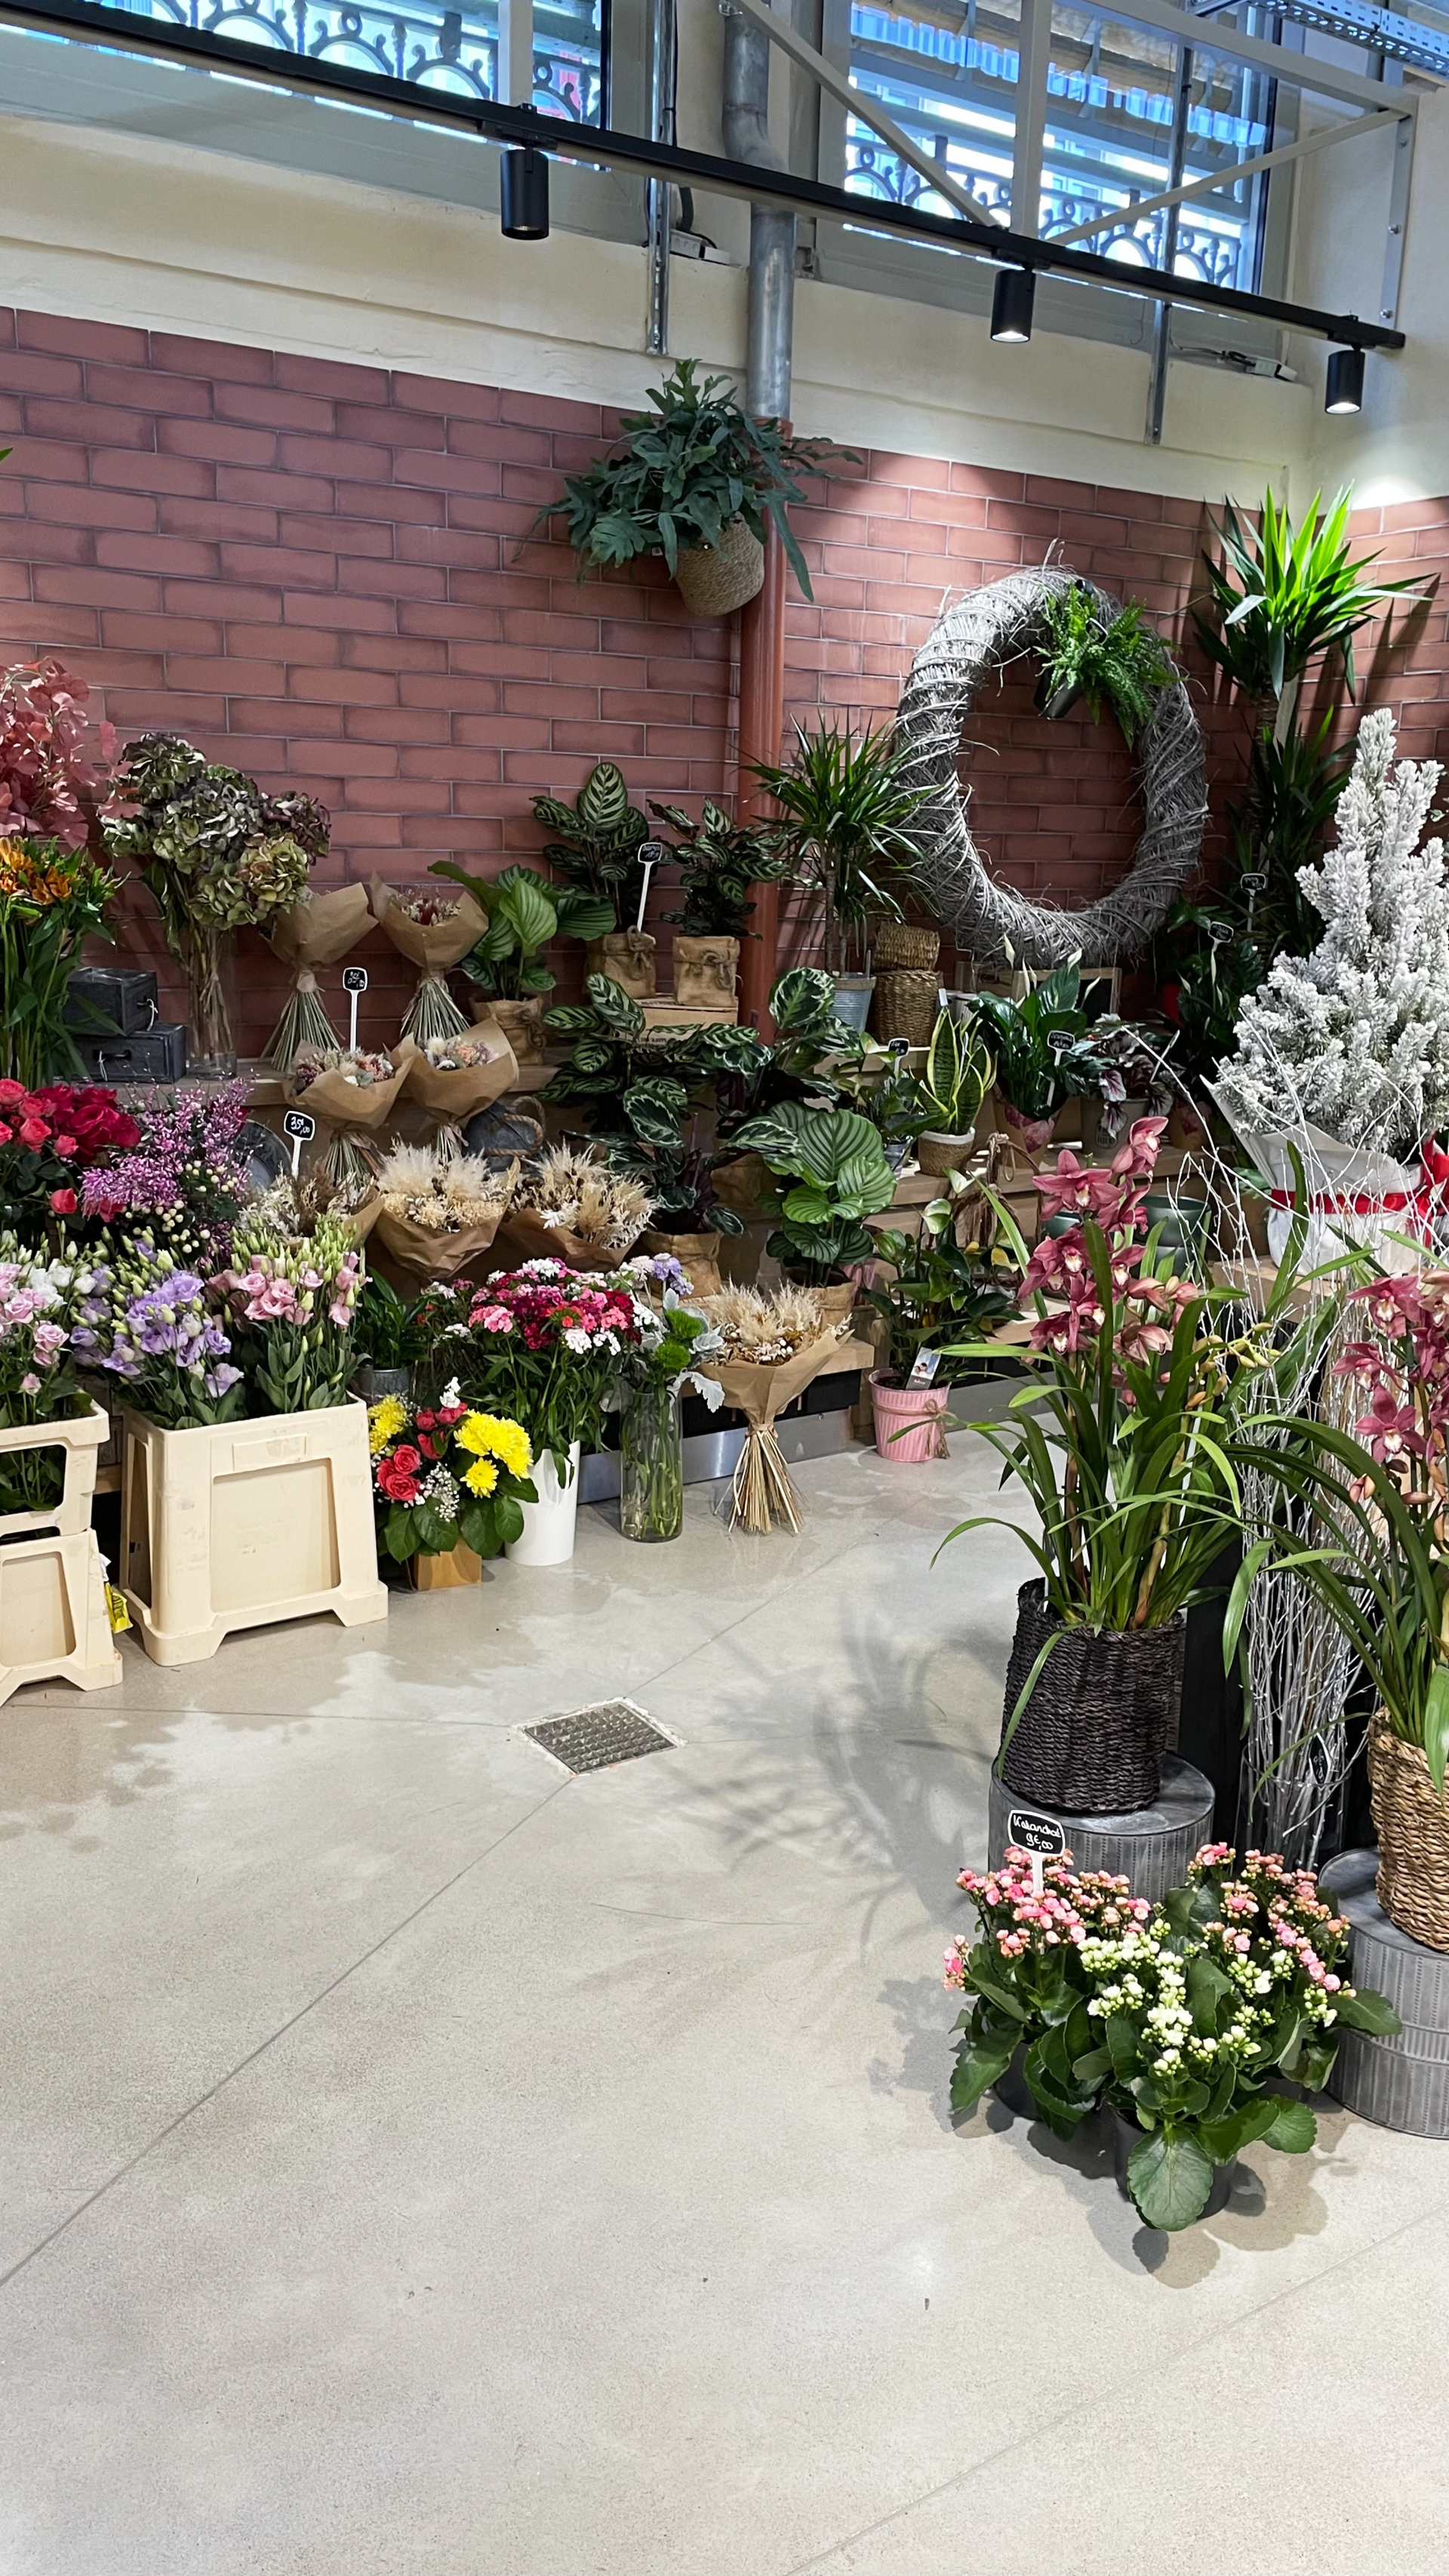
(11, 1092)
(34, 1133)
(63, 1202)
(65, 1146)
(425, 1421)
(6, 1133)
(397, 1476)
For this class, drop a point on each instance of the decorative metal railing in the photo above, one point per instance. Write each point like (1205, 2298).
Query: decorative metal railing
(440, 49)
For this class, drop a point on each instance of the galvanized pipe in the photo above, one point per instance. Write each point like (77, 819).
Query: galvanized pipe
(770, 322)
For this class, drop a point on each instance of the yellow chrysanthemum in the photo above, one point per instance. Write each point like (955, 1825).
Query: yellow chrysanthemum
(492, 1435)
(481, 1477)
(384, 1421)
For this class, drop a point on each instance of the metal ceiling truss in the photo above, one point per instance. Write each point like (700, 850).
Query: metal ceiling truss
(967, 232)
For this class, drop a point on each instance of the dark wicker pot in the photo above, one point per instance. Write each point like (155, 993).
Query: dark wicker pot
(1105, 1707)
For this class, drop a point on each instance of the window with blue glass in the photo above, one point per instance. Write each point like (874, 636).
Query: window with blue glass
(441, 49)
(949, 78)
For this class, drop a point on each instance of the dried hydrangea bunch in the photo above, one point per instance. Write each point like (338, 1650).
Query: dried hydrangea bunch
(757, 1325)
(358, 1066)
(443, 1194)
(573, 1194)
(456, 1055)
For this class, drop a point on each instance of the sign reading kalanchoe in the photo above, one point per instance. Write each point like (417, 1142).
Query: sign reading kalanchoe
(1178, 2018)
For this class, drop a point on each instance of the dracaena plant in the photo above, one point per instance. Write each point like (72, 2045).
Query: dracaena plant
(1182, 2017)
(846, 807)
(524, 913)
(1284, 597)
(1128, 1437)
(835, 1165)
(596, 842)
(719, 861)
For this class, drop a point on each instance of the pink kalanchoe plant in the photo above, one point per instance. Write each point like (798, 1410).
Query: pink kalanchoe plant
(1180, 2016)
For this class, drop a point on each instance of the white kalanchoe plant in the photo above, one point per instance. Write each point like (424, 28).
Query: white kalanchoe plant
(1357, 1033)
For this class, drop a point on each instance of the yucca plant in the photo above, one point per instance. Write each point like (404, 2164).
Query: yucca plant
(845, 811)
(956, 1078)
(1283, 597)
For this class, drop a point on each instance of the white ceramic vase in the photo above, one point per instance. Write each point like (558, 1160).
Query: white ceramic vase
(548, 1524)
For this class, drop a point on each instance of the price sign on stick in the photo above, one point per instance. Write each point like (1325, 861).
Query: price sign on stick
(354, 981)
(1040, 1835)
(301, 1127)
(651, 852)
(1059, 1040)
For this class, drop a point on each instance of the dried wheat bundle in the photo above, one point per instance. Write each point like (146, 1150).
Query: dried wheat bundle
(443, 1194)
(573, 1194)
(762, 1492)
(764, 1327)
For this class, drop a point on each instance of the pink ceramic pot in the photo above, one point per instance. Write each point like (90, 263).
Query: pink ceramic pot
(915, 1413)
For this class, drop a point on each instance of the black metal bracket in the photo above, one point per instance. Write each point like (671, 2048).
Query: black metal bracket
(92, 22)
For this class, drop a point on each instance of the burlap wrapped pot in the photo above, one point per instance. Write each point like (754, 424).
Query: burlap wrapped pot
(705, 970)
(713, 580)
(627, 957)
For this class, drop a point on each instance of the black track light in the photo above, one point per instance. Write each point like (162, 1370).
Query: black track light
(525, 196)
(1344, 391)
(1012, 299)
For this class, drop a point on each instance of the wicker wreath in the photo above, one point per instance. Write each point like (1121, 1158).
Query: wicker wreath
(979, 635)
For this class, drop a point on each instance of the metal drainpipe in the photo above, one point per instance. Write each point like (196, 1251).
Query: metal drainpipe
(769, 334)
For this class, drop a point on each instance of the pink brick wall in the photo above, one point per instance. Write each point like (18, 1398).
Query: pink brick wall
(322, 573)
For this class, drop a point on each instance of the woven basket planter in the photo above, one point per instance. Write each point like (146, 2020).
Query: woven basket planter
(1103, 1712)
(905, 1003)
(715, 579)
(906, 943)
(1412, 1823)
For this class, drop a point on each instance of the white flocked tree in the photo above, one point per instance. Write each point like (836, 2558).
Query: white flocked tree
(1354, 1037)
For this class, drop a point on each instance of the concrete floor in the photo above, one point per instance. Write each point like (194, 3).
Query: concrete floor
(420, 2164)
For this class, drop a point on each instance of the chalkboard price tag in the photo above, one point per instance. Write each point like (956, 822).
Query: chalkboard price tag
(899, 1046)
(1255, 880)
(1219, 933)
(1059, 1040)
(354, 979)
(301, 1126)
(1040, 1835)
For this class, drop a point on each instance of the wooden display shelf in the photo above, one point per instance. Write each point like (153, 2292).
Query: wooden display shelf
(661, 1011)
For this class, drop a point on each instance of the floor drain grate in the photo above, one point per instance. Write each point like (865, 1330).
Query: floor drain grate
(590, 1739)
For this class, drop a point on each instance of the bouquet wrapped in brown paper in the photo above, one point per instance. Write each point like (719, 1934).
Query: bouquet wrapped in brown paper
(432, 931)
(436, 1215)
(353, 1092)
(453, 1078)
(773, 1347)
(571, 1208)
(314, 931)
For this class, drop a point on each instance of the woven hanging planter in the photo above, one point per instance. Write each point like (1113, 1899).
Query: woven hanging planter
(1412, 1823)
(715, 579)
(1105, 1707)
(905, 943)
(974, 639)
(905, 1004)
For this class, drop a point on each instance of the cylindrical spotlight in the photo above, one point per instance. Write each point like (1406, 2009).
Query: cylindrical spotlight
(1011, 302)
(525, 196)
(1345, 381)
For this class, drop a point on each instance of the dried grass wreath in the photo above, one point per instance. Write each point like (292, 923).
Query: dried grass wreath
(982, 633)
